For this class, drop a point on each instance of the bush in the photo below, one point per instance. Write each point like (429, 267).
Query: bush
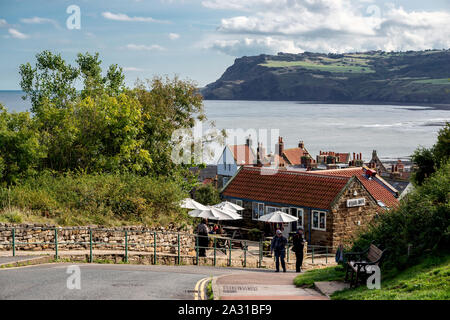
(421, 223)
(207, 194)
(105, 199)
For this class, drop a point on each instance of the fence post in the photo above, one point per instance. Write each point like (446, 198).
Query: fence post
(56, 243)
(260, 253)
(14, 241)
(245, 254)
(90, 246)
(229, 252)
(178, 243)
(312, 259)
(288, 252)
(326, 255)
(215, 245)
(197, 253)
(126, 246)
(154, 247)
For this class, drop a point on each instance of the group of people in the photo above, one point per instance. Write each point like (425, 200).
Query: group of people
(278, 247)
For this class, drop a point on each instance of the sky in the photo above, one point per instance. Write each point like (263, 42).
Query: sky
(199, 39)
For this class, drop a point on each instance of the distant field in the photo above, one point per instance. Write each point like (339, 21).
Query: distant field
(445, 81)
(335, 67)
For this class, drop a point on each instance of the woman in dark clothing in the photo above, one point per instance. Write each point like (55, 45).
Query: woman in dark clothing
(202, 232)
(298, 242)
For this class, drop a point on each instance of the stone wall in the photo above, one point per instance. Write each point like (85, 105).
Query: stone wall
(347, 222)
(39, 237)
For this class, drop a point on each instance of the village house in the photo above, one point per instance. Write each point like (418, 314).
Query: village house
(232, 158)
(331, 206)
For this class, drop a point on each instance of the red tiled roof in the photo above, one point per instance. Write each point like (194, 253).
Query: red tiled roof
(285, 187)
(294, 155)
(243, 155)
(376, 188)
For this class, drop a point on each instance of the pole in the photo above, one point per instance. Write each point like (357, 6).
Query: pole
(56, 243)
(312, 259)
(326, 256)
(154, 247)
(14, 241)
(245, 254)
(260, 254)
(178, 243)
(215, 245)
(126, 246)
(288, 252)
(90, 246)
(229, 252)
(197, 253)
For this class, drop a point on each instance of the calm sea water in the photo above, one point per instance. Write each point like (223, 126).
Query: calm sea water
(394, 131)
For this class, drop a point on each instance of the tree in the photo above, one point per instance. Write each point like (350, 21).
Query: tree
(20, 150)
(207, 194)
(427, 161)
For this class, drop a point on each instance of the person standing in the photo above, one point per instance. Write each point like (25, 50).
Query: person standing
(298, 244)
(202, 233)
(278, 246)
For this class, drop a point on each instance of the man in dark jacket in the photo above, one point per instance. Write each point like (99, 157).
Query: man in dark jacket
(298, 243)
(203, 242)
(278, 246)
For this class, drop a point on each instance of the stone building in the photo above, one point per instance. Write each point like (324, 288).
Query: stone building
(330, 208)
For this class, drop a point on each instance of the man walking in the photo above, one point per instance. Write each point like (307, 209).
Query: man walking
(278, 246)
(298, 242)
(202, 238)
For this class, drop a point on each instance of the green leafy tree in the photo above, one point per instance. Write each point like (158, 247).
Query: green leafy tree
(427, 161)
(207, 194)
(20, 150)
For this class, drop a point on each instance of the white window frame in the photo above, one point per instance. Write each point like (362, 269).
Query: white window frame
(239, 202)
(258, 206)
(358, 202)
(318, 213)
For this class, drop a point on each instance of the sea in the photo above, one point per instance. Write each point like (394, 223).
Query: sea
(394, 131)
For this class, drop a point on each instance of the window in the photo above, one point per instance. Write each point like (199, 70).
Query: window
(239, 202)
(225, 180)
(297, 212)
(257, 210)
(319, 220)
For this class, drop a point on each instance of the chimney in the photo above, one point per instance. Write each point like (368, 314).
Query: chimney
(259, 154)
(360, 156)
(393, 168)
(280, 146)
(301, 145)
(248, 141)
(354, 156)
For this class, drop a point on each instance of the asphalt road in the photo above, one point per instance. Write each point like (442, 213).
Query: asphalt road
(104, 281)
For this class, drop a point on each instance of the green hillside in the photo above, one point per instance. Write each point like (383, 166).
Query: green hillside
(376, 76)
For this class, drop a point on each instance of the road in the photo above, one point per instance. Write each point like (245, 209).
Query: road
(106, 281)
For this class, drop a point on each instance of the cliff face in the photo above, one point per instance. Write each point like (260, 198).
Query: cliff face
(412, 77)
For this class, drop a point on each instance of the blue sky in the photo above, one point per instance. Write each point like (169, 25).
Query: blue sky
(199, 39)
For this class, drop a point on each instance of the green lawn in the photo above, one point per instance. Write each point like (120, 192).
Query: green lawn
(429, 280)
(339, 67)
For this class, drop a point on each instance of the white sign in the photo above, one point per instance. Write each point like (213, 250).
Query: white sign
(356, 202)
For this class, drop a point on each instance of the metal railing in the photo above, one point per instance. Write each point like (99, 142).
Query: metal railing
(223, 246)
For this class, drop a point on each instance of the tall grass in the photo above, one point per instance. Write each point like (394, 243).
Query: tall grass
(101, 199)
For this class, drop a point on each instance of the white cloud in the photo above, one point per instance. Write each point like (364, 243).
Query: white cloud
(142, 47)
(132, 69)
(17, 34)
(326, 26)
(124, 17)
(174, 36)
(3, 23)
(39, 20)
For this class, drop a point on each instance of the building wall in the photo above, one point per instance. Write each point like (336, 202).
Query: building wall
(347, 222)
(226, 166)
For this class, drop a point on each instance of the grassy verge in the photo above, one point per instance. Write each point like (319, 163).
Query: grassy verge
(209, 291)
(429, 280)
(326, 274)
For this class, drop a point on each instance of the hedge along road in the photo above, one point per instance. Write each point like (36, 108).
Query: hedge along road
(104, 281)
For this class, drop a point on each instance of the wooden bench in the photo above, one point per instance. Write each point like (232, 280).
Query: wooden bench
(357, 263)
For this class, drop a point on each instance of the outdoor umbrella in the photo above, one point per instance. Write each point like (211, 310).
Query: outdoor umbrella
(189, 203)
(278, 217)
(229, 206)
(213, 213)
